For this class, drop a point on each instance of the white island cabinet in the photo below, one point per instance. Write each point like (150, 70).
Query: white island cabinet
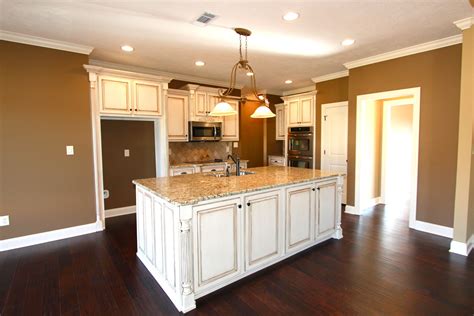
(195, 241)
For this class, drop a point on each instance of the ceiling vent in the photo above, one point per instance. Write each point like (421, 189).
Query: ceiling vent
(204, 19)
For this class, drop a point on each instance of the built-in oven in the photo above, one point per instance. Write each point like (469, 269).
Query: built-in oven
(300, 162)
(300, 141)
(205, 131)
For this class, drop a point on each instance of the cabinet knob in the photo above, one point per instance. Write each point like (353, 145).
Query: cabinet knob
(184, 172)
(131, 110)
(313, 189)
(136, 110)
(239, 206)
(248, 203)
(318, 189)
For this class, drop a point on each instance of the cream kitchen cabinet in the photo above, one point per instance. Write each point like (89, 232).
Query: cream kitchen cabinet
(301, 109)
(263, 228)
(326, 206)
(202, 102)
(214, 168)
(177, 106)
(176, 171)
(299, 214)
(115, 95)
(147, 98)
(276, 161)
(218, 242)
(280, 126)
(230, 124)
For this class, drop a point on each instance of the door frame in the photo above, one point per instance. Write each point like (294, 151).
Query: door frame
(362, 101)
(323, 128)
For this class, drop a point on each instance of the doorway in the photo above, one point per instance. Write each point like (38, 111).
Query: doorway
(334, 128)
(372, 180)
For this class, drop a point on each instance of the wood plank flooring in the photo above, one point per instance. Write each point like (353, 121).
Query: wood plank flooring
(379, 267)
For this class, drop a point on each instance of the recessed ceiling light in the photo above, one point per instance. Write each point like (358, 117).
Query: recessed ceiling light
(288, 81)
(127, 48)
(291, 16)
(250, 74)
(348, 42)
(199, 63)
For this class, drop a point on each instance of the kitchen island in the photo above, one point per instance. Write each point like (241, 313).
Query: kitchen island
(198, 232)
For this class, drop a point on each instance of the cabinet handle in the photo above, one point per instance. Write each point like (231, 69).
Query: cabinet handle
(184, 172)
(313, 189)
(213, 170)
(248, 203)
(239, 206)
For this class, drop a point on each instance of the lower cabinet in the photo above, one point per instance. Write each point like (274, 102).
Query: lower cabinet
(299, 216)
(213, 168)
(181, 170)
(263, 232)
(326, 215)
(218, 239)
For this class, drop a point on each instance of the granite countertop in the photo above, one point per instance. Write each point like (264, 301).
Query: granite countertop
(210, 163)
(193, 188)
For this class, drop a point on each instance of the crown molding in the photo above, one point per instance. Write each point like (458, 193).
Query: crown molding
(44, 42)
(117, 72)
(332, 76)
(464, 24)
(156, 72)
(299, 90)
(444, 42)
(300, 94)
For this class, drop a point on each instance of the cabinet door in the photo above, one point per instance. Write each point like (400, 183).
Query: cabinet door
(177, 117)
(217, 242)
(200, 104)
(280, 123)
(115, 95)
(230, 124)
(149, 225)
(147, 98)
(306, 111)
(299, 216)
(262, 228)
(293, 112)
(140, 222)
(326, 208)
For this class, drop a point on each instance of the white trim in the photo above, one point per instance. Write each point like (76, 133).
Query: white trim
(352, 210)
(40, 238)
(361, 101)
(154, 72)
(119, 211)
(461, 248)
(45, 42)
(98, 70)
(464, 24)
(332, 76)
(371, 203)
(420, 48)
(433, 229)
(307, 93)
(299, 90)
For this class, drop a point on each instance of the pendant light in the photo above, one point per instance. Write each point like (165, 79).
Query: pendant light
(223, 108)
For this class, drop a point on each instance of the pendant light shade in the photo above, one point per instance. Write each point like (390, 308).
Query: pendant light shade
(263, 111)
(223, 109)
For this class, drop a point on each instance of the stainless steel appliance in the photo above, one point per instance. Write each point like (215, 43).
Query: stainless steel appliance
(300, 147)
(205, 131)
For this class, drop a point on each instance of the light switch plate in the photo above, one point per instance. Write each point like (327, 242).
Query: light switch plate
(4, 220)
(70, 150)
(126, 152)
(236, 145)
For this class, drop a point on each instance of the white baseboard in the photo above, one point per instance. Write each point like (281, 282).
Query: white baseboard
(371, 203)
(433, 229)
(352, 210)
(40, 238)
(120, 211)
(462, 248)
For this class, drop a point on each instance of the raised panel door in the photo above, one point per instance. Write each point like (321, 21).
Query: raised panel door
(299, 215)
(159, 240)
(115, 95)
(200, 104)
(169, 228)
(280, 123)
(293, 112)
(140, 222)
(149, 225)
(326, 208)
(262, 228)
(147, 98)
(230, 124)
(306, 111)
(217, 242)
(177, 116)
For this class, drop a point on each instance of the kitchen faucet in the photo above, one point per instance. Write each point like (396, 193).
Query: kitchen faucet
(236, 160)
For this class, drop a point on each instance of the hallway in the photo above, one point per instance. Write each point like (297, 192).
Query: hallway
(380, 266)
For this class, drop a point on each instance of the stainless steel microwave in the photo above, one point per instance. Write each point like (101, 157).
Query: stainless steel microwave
(205, 131)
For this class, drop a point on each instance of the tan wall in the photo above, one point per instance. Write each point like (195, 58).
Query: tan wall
(45, 106)
(330, 91)
(119, 171)
(438, 73)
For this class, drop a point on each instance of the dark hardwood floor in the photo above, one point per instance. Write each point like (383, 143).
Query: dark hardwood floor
(380, 267)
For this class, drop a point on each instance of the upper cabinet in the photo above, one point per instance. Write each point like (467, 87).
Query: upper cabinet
(202, 102)
(280, 128)
(230, 124)
(177, 113)
(124, 93)
(301, 109)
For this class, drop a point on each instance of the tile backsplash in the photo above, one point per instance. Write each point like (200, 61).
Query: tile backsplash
(196, 151)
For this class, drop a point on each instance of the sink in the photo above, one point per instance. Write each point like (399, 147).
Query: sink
(232, 174)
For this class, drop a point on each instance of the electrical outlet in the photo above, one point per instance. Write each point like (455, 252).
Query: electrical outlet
(106, 194)
(126, 152)
(4, 220)
(70, 150)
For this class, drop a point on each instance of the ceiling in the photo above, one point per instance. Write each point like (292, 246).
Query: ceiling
(165, 39)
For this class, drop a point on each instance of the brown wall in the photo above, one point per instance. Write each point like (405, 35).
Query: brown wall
(274, 147)
(328, 92)
(119, 171)
(251, 135)
(438, 74)
(45, 106)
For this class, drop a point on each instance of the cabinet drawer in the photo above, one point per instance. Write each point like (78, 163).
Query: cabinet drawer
(276, 161)
(219, 168)
(182, 171)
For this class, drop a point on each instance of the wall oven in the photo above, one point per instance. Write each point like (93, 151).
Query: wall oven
(205, 131)
(300, 147)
